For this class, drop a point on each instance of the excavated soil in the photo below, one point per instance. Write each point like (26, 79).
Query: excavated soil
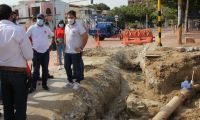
(122, 83)
(151, 77)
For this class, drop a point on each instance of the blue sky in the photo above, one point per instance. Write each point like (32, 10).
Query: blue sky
(110, 3)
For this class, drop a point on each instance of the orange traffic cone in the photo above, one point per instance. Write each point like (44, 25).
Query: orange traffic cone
(98, 44)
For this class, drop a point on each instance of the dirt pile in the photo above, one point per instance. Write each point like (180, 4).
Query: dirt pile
(169, 67)
(118, 84)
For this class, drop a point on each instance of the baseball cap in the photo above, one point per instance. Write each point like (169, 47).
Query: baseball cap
(41, 16)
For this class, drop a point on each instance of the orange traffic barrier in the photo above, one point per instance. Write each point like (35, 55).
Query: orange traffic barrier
(137, 36)
(125, 37)
(98, 43)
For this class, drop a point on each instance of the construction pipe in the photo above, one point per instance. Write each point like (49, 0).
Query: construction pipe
(174, 103)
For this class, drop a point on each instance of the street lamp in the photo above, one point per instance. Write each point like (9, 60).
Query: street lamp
(96, 19)
(116, 19)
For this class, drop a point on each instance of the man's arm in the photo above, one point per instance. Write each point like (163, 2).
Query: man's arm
(54, 40)
(25, 45)
(84, 37)
(26, 49)
(28, 33)
(64, 40)
(50, 34)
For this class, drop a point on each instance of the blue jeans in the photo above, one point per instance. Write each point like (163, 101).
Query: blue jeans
(60, 49)
(75, 61)
(14, 95)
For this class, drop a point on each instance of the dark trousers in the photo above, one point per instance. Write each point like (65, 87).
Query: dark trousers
(43, 60)
(74, 67)
(14, 94)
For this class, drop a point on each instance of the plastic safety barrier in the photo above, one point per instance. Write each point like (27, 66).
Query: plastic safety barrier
(137, 36)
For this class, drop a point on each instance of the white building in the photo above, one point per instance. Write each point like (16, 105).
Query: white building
(83, 13)
(29, 9)
(60, 8)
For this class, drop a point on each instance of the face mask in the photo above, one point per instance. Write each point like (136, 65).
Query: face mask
(40, 22)
(71, 21)
(61, 25)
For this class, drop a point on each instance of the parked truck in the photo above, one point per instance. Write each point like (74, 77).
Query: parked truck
(106, 29)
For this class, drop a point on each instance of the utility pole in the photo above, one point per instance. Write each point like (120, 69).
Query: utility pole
(54, 15)
(147, 17)
(186, 16)
(91, 1)
(159, 23)
(180, 5)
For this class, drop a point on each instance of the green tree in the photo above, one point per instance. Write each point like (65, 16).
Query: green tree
(100, 7)
(194, 9)
(134, 13)
(169, 13)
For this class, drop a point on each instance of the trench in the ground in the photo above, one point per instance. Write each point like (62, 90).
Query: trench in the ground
(117, 109)
(131, 73)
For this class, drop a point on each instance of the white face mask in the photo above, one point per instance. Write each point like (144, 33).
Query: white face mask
(71, 21)
(61, 25)
(40, 22)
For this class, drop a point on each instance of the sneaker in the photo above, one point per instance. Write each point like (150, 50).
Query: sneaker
(68, 84)
(59, 67)
(76, 86)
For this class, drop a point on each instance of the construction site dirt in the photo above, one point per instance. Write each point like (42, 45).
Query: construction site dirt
(130, 82)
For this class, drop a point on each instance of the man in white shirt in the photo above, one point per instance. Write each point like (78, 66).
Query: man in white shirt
(15, 51)
(75, 40)
(39, 34)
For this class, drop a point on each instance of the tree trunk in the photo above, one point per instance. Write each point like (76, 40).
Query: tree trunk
(186, 16)
(180, 5)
